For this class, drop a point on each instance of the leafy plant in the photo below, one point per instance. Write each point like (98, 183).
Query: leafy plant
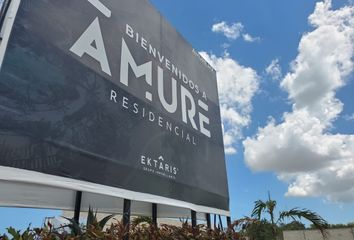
(92, 224)
(141, 230)
(296, 214)
(28, 234)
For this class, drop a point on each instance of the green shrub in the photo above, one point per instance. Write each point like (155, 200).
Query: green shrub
(117, 231)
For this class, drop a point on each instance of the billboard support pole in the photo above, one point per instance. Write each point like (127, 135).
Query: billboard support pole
(215, 221)
(220, 221)
(77, 206)
(194, 218)
(207, 215)
(126, 216)
(228, 220)
(154, 214)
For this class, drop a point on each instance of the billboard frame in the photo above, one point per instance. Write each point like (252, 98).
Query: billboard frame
(27, 176)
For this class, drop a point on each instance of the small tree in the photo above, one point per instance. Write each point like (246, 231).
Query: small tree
(295, 214)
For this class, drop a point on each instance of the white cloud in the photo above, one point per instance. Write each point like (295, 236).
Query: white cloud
(233, 31)
(248, 38)
(237, 85)
(274, 70)
(300, 149)
(225, 45)
(349, 117)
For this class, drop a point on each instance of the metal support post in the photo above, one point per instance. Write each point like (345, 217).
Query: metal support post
(228, 220)
(154, 214)
(77, 206)
(194, 218)
(215, 227)
(207, 215)
(220, 222)
(126, 217)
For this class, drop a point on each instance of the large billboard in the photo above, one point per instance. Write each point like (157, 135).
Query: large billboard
(108, 93)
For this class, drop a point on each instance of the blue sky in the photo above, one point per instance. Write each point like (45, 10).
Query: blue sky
(286, 85)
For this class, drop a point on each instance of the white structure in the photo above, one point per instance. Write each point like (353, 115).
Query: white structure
(334, 234)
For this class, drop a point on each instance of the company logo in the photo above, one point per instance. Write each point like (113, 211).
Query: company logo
(158, 166)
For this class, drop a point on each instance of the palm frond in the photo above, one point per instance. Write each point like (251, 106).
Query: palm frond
(74, 227)
(104, 221)
(259, 207)
(309, 215)
(141, 219)
(270, 206)
(91, 217)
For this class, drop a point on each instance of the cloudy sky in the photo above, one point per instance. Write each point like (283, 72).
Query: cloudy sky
(286, 84)
(285, 78)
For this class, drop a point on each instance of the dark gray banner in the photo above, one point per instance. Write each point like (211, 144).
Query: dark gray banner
(108, 92)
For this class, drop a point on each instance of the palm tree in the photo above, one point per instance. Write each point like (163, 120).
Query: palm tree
(269, 206)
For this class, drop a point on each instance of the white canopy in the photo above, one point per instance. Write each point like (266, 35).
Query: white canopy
(23, 188)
